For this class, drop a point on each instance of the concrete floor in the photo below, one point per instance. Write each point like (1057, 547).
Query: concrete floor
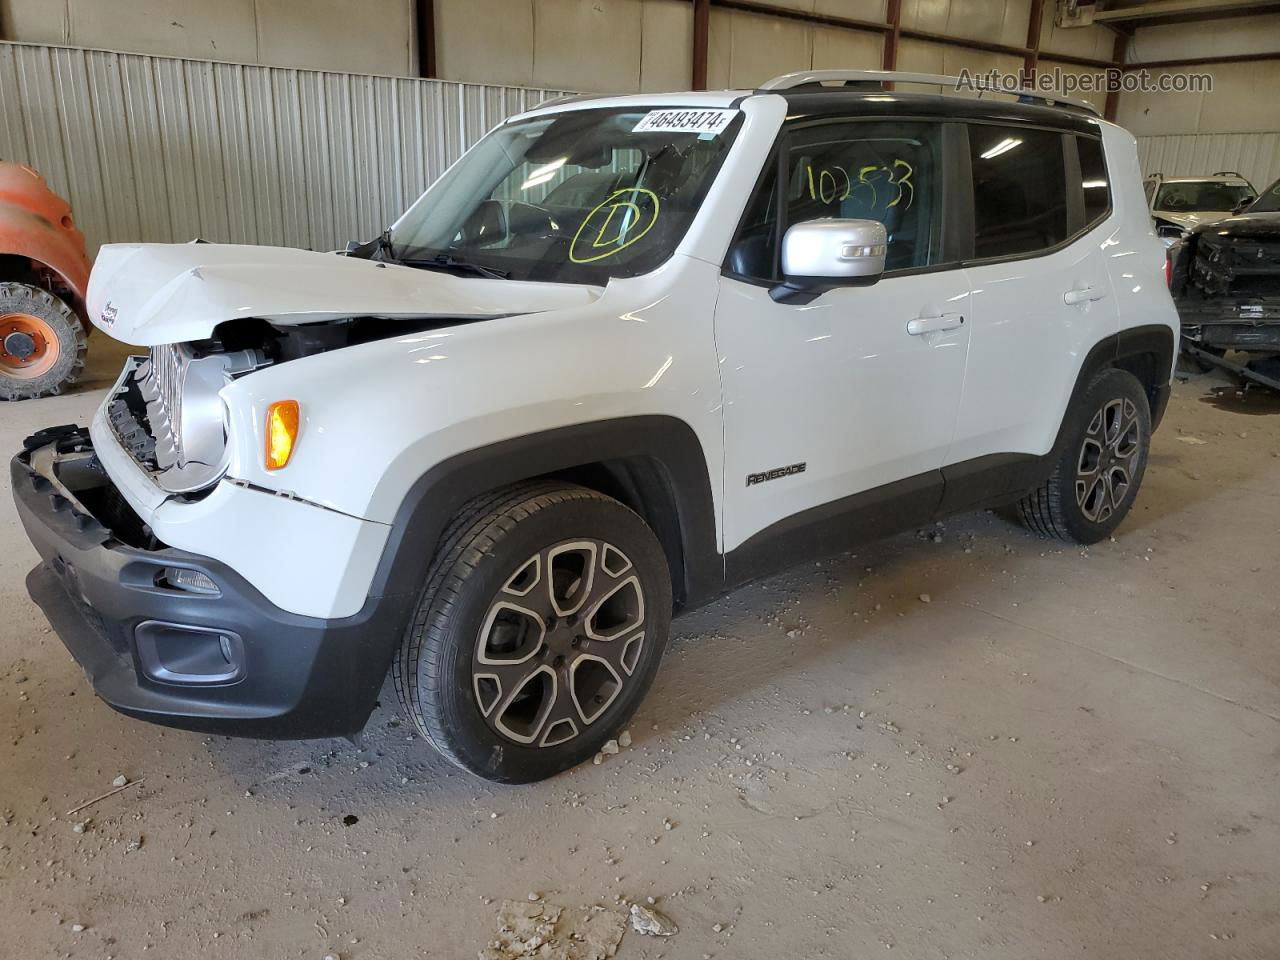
(1066, 752)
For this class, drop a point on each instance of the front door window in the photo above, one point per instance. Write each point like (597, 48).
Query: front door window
(864, 170)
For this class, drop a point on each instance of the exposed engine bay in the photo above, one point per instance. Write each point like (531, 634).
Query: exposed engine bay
(166, 410)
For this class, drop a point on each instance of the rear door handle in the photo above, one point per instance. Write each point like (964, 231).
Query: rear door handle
(1083, 294)
(945, 321)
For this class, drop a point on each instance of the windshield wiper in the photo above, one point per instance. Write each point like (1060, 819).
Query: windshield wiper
(446, 262)
(380, 249)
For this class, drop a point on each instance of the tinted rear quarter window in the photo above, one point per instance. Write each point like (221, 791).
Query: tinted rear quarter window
(1019, 190)
(1093, 178)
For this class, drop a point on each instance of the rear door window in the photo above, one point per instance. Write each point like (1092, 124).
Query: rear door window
(1019, 190)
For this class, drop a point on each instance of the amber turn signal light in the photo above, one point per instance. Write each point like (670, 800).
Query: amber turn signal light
(282, 432)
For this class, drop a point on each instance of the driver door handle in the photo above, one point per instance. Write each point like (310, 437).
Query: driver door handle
(944, 321)
(1083, 294)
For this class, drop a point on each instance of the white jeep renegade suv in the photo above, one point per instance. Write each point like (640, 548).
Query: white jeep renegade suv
(626, 354)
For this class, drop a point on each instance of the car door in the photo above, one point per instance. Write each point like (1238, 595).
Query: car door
(838, 412)
(1042, 298)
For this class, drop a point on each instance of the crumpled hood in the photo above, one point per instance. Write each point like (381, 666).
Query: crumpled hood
(1248, 226)
(154, 293)
(1192, 218)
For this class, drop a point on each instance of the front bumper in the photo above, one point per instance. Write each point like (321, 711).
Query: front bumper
(231, 663)
(1251, 324)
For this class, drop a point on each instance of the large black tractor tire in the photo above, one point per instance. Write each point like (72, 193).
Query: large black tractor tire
(42, 343)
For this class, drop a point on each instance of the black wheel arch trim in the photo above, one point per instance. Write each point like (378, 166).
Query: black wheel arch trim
(1128, 350)
(653, 463)
(656, 465)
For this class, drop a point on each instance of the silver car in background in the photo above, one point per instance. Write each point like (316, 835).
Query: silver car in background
(1179, 204)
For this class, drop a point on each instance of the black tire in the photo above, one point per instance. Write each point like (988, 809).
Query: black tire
(1058, 508)
(65, 343)
(503, 542)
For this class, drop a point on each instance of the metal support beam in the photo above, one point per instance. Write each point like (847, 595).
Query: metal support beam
(1201, 61)
(804, 16)
(1185, 11)
(424, 12)
(701, 42)
(871, 26)
(1118, 48)
(894, 12)
(1032, 59)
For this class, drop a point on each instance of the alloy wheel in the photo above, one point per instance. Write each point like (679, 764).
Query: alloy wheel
(559, 642)
(1109, 459)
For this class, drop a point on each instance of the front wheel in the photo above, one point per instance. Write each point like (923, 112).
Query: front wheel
(1106, 437)
(544, 619)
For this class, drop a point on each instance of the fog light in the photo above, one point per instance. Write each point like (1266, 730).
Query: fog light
(189, 581)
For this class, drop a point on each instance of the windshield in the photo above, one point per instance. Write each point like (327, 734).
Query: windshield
(1269, 202)
(575, 197)
(1201, 195)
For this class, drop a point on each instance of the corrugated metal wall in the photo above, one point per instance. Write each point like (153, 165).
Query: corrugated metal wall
(160, 149)
(1256, 155)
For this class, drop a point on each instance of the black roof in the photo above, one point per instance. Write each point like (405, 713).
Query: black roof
(817, 102)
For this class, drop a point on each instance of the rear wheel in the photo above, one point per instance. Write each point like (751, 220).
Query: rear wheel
(1107, 434)
(542, 625)
(42, 343)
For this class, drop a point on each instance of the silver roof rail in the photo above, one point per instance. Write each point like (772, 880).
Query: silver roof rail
(878, 78)
(563, 99)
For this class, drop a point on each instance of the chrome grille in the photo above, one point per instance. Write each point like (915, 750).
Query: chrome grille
(168, 413)
(161, 381)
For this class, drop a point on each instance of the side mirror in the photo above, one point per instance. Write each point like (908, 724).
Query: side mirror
(820, 255)
(1169, 232)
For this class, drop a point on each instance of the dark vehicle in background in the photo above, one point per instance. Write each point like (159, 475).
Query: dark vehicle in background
(1225, 280)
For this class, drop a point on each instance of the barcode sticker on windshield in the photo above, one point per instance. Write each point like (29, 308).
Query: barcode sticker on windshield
(684, 121)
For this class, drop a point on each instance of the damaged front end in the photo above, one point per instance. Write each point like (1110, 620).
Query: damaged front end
(1225, 279)
(167, 411)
